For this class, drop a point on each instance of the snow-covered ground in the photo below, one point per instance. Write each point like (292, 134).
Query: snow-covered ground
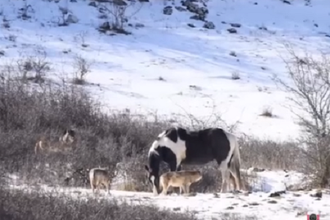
(290, 205)
(196, 64)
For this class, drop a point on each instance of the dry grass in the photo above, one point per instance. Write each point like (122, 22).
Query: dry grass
(17, 205)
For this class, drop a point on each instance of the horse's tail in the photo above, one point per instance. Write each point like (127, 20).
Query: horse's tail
(235, 161)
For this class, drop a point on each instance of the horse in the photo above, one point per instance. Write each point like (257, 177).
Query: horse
(176, 146)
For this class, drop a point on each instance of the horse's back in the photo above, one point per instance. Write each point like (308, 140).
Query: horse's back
(206, 145)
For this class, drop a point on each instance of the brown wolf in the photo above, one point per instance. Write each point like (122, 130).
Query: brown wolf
(182, 179)
(99, 176)
(66, 140)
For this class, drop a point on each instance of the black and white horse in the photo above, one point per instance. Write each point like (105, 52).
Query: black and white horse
(177, 146)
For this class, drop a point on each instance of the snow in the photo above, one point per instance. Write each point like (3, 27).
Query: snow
(290, 205)
(127, 69)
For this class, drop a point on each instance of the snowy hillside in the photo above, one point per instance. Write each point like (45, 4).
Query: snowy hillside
(175, 65)
(168, 67)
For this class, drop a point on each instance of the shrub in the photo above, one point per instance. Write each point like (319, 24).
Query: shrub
(309, 93)
(270, 154)
(27, 112)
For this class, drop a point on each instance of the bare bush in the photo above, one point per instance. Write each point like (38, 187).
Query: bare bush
(116, 13)
(235, 75)
(267, 112)
(27, 112)
(34, 67)
(213, 120)
(25, 11)
(270, 154)
(82, 67)
(310, 102)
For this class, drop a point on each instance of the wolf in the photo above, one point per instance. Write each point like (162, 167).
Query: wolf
(66, 140)
(182, 179)
(99, 176)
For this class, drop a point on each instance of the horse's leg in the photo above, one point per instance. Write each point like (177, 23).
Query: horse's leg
(235, 175)
(233, 180)
(225, 174)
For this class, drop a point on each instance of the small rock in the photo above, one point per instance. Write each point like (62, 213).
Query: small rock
(255, 169)
(296, 194)
(177, 209)
(180, 8)
(6, 25)
(139, 25)
(317, 194)
(73, 0)
(286, 2)
(93, 4)
(105, 25)
(195, 17)
(232, 53)
(272, 202)
(71, 19)
(192, 7)
(191, 25)
(230, 208)
(209, 25)
(2, 52)
(256, 3)
(245, 205)
(236, 25)
(195, 87)
(168, 10)
(276, 194)
(232, 30)
(202, 11)
(254, 203)
(119, 2)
